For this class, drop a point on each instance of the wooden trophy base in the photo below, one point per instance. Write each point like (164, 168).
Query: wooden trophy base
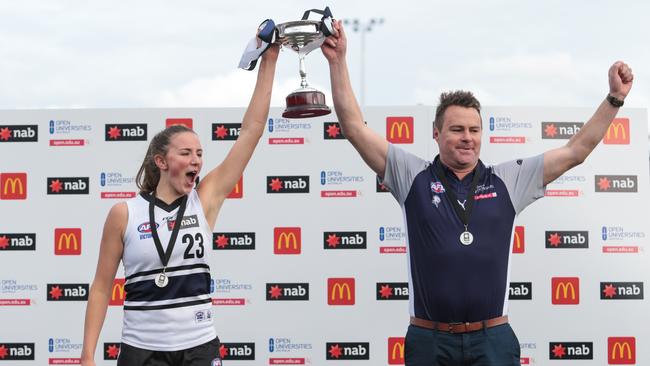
(306, 104)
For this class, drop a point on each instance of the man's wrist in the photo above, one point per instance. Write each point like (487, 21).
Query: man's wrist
(614, 101)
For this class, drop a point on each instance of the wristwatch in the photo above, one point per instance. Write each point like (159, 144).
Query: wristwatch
(615, 102)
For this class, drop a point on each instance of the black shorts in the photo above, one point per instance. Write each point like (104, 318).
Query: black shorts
(206, 354)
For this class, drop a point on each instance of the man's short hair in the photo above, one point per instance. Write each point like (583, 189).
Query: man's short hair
(460, 98)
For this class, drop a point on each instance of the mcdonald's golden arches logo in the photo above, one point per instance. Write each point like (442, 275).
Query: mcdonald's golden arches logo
(117, 293)
(399, 130)
(621, 350)
(565, 290)
(238, 189)
(396, 350)
(67, 241)
(340, 291)
(618, 132)
(13, 186)
(286, 240)
(519, 240)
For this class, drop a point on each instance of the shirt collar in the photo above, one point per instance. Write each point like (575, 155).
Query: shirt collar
(449, 174)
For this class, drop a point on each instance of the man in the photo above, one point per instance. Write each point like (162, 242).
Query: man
(459, 216)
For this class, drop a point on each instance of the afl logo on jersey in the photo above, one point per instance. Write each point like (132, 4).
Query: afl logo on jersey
(145, 227)
(437, 187)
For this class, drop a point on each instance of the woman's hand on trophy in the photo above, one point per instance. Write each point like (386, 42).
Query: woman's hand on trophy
(271, 53)
(335, 46)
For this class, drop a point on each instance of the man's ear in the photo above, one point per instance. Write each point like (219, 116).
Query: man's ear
(436, 134)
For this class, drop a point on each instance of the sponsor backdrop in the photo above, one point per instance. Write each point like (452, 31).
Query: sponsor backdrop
(308, 257)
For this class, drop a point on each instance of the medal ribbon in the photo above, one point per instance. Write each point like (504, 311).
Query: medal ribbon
(165, 255)
(463, 214)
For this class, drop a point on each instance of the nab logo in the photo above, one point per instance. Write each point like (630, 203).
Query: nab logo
(287, 291)
(117, 293)
(187, 122)
(379, 187)
(125, 132)
(18, 133)
(332, 131)
(396, 350)
(571, 350)
(111, 351)
(225, 131)
(238, 189)
(620, 290)
(519, 240)
(67, 292)
(565, 290)
(566, 239)
(560, 130)
(287, 240)
(618, 132)
(67, 241)
(15, 241)
(68, 185)
(347, 351)
(621, 350)
(287, 184)
(392, 291)
(233, 241)
(237, 351)
(399, 130)
(16, 351)
(520, 291)
(344, 240)
(13, 186)
(340, 291)
(616, 183)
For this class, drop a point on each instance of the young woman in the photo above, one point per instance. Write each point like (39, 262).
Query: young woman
(162, 237)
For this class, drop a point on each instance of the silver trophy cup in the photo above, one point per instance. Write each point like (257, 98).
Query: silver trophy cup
(303, 36)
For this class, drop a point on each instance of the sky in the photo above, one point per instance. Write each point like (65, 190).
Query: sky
(161, 53)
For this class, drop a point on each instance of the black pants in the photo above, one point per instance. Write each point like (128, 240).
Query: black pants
(496, 346)
(206, 354)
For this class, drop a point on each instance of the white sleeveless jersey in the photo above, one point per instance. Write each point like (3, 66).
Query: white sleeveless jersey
(177, 316)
